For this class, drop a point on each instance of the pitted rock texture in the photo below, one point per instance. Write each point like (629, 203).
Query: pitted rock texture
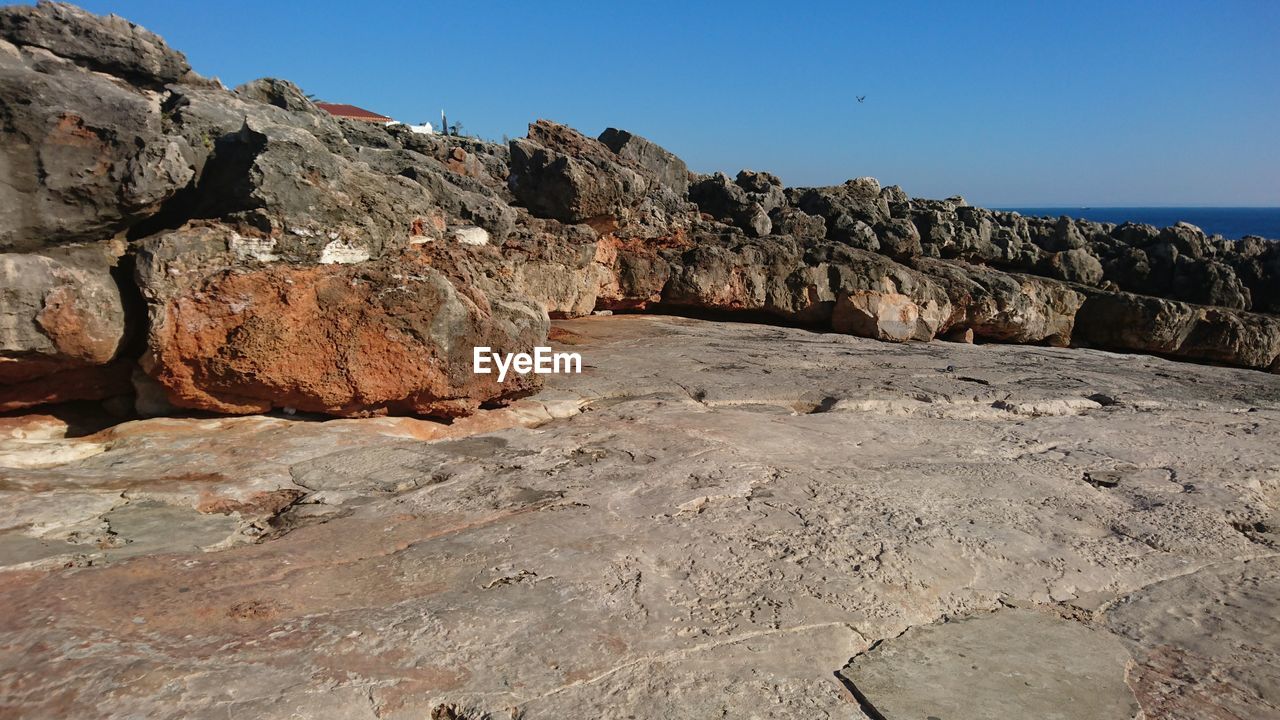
(63, 327)
(725, 529)
(368, 338)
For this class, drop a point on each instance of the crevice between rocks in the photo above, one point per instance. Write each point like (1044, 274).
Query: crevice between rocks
(864, 703)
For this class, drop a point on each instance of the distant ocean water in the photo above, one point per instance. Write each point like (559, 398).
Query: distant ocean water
(1233, 223)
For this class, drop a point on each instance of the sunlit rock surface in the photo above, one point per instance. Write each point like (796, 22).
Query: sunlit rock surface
(712, 520)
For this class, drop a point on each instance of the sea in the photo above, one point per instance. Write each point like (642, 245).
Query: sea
(1233, 223)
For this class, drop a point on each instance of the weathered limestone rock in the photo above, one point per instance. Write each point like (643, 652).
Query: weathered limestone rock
(1204, 644)
(1136, 323)
(745, 202)
(477, 160)
(742, 278)
(112, 140)
(232, 330)
(881, 299)
(82, 155)
(105, 43)
(62, 322)
(798, 223)
(743, 512)
(1075, 265)
(558, 173)
(979, 668)
(280, 93)
(557, 265)
(666, 167)
(253, 179)
(1002, 307)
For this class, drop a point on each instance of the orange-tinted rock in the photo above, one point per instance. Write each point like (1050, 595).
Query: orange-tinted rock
(389, 336)
(94, 382)
(62, 323)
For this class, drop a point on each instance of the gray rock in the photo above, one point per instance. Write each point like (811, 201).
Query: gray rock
(252, 178)
(1002, 307)
(557, 173)
(1076, 265)
(62, 327)
(280, 93)
(64, 308)
(106, 43)
(790, 221)
(1124, 321)
(859, 198)
(733, 203)
(663, 165)
(1010, 663)
(82, 156)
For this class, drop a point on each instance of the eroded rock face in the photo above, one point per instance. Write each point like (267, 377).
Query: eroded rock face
(111, 142)
(234, 331)
(744, 202)
(109, 44)
(666, 167)
(560, 174)
(82, 155)
(62, 324)
(1002, 307)
(878, 298)
(1133, 322)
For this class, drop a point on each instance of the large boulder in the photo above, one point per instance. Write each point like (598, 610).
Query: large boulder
(104, 43)
(863, 215)
(1124, 321)
(280, 93)
(237, 333)
(738, 203)
(849, 290)
(460, 196)
(558, 173)
(653, 158)
(487, 163)
(205, 115)
(881, 299)
(1257, 263)
(82, 156)
(558, 266)
(798, 223)
(62, 327)
(1004, 307)
(282, 181)
(1075, 265)
(728, 274)
(859, 198)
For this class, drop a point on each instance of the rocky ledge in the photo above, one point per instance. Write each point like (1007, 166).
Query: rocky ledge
(168, 244)
(799, 507)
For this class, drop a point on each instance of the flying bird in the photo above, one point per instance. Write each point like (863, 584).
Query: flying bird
(861, 98)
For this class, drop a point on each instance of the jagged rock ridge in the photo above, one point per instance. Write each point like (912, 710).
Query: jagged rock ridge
(237, 251)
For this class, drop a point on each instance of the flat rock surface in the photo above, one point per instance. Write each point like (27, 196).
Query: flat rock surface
(980, 668)
(713, 520)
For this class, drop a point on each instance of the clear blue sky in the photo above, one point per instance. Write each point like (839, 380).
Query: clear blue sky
(1175, 102)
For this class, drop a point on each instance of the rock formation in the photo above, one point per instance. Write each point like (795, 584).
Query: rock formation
(922, 529)
(240, 250)
(724, 517)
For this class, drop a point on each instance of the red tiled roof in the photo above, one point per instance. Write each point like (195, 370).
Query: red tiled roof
(351, 111)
